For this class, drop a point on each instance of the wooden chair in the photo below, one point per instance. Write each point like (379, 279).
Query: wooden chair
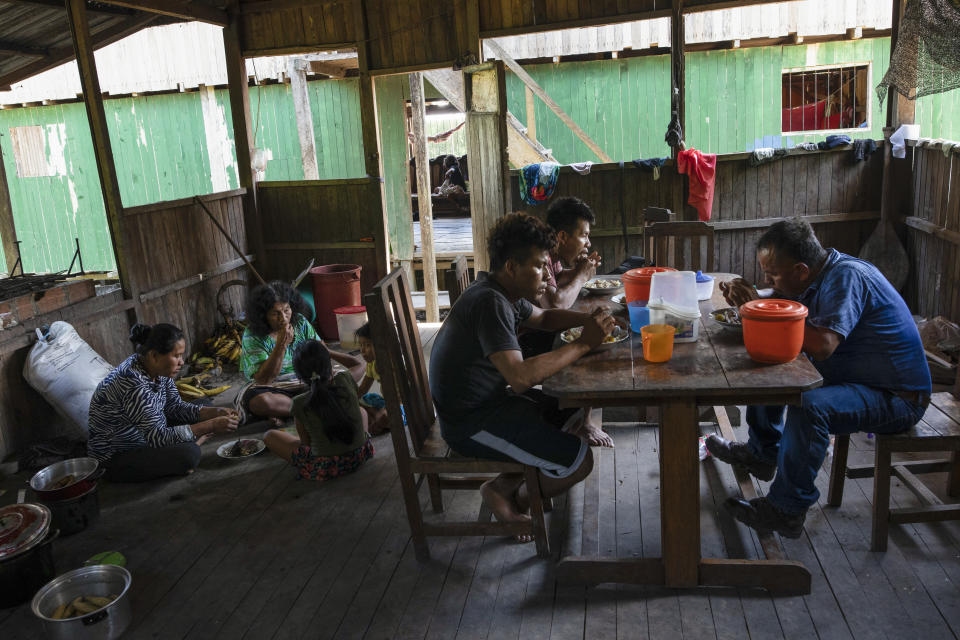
(418, 446)
(653, 215)
(939, 430)
(457, 278)
(685, 246)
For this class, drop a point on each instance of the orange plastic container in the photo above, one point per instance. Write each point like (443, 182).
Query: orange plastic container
(636, 282)
(773, 329)
(657, 340)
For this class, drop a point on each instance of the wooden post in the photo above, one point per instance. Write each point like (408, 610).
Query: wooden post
(243, 136)
(531, 114)
(900, 109)
(8, 233)
(297, 70)
(486, 153)
(419, 115)
(678, 66)
(90, 83)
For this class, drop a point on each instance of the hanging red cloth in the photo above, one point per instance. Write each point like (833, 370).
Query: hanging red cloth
(702, 169)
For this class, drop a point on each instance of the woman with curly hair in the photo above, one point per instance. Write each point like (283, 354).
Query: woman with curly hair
(276, 326)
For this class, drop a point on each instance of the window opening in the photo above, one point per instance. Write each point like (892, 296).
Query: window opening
(825, 99)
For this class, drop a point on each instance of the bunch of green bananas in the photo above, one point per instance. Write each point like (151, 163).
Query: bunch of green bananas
(223, 346)
(191, 387)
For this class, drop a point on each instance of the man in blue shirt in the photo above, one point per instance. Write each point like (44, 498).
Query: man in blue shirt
(862, 339)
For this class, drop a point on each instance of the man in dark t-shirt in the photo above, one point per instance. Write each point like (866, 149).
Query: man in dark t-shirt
(476, 357)
(863, 341)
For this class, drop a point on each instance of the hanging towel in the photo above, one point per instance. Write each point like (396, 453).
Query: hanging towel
(808, 146)
(651, 164)
(702, 169)
(834, 141)
(863, 149)
(583, 168)
(763, 155)
(537, 181)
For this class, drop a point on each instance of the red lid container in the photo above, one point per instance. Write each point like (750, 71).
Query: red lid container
(773, 329)
(636, 282)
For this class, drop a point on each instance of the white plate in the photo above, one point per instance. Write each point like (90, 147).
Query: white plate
(591, 285)
(224, 450)
(619, 333)
(620, 299)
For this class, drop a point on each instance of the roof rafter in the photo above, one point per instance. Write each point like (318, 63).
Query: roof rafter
(94, 8)
(184, 9)
(16, 49)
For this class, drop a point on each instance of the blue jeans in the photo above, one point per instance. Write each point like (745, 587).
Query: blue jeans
(798, 444)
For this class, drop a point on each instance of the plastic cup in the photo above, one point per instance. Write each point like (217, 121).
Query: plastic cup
(657, 340)
(639, 315)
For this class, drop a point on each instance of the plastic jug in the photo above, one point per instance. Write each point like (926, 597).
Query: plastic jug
(349, 319)
(657, 340)
(678, 288)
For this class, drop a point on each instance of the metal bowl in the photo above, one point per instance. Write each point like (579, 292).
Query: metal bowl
(592, 285)
(85, 472)
(99, 580)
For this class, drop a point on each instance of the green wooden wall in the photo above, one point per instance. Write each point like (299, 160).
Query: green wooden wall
(392, 130)
(624, 105)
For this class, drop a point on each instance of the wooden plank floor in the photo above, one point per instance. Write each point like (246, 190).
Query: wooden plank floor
(245, 550)
(450, 236)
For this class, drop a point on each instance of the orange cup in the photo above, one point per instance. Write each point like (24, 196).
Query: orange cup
(657, 342)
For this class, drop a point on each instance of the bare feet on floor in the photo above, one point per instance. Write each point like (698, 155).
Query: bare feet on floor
(592, 433)
(503, 505)
(275, 422)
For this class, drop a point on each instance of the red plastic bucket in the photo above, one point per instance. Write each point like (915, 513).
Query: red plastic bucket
(334, 286)
(636, 282)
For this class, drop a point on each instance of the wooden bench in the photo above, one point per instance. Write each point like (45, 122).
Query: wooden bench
(938, 431)
(417, 443)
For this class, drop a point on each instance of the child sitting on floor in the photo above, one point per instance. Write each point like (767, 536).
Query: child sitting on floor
(333, 440)
(373, 403)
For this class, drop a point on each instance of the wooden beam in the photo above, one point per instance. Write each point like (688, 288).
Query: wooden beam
(183, 9)
(97, 118)
(538, 90)
(100, 9)
(327, 68)
(8, 232)
(418, 129)
(929, 227)
(521, 150)
(678, 67)
(243, 135)
(283, 5)
(16, 49)
(159, 292)
(531, 114)
(296, 70)
(449, 82)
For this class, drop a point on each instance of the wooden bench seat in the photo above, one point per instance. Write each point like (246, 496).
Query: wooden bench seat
(938, 431)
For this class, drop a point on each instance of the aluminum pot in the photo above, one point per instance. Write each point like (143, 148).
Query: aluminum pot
(98, 580)
(24, 573)
(75, 514)
(85, 471)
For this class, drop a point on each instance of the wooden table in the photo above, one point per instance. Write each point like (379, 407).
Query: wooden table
(715, 370)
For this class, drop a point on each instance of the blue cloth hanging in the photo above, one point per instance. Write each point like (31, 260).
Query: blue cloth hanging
(538, 181)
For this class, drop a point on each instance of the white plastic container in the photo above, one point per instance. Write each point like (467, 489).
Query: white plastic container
(349, 319)
(704, 286)
(686, 320)
(677, 288)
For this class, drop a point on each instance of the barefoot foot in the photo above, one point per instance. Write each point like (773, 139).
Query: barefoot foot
(593, 434)
(503, 506)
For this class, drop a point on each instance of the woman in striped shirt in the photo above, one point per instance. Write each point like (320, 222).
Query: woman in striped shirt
(140, 429)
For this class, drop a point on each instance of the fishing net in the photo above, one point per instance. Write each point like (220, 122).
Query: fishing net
(926, 59)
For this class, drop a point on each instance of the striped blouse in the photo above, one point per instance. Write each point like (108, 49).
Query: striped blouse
(129, 410)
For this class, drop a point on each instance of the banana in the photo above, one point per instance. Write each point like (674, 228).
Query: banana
(191, 395)
(202, 362)
(218, 390)
(189, 388)
(235, 354)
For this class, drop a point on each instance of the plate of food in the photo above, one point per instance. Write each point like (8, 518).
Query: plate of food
(242, 448)
(620, 299)
(728, 318)
(619, 334)
(604, 284)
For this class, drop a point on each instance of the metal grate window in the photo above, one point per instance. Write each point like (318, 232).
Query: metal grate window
(826, 99)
